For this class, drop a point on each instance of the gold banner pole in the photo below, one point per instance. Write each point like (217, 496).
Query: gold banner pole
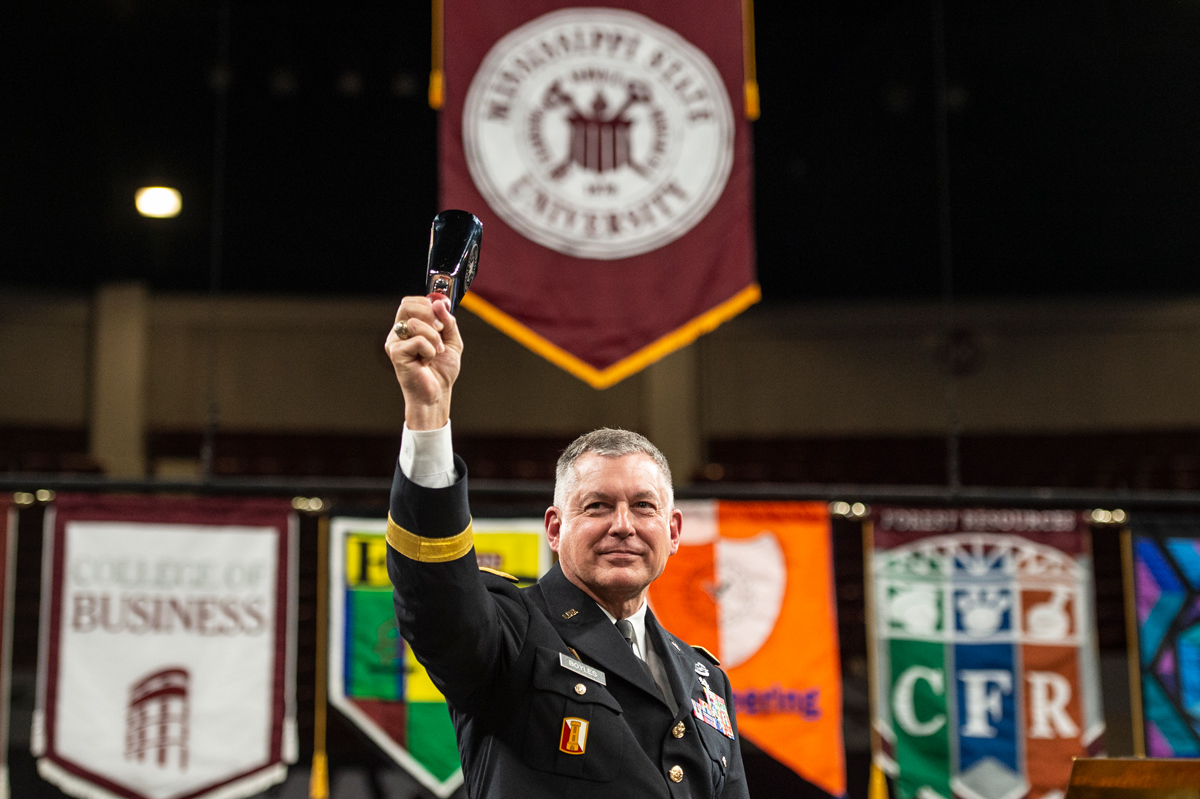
(1131, 643)
(877, 787)
(749, 65)
(437, 77)
(318, 784)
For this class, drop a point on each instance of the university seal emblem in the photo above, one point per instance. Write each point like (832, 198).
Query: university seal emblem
(598, 133)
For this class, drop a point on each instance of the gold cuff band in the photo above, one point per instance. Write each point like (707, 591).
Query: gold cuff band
(429, 550)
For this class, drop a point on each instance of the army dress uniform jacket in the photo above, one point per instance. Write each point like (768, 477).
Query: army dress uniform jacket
(547, 698)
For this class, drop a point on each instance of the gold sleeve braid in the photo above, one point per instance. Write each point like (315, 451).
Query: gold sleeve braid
(429, 550)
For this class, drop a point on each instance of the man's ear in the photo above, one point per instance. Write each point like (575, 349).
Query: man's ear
(676, 528)
(553, 522)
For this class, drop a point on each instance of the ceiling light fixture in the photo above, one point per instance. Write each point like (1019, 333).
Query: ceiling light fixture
(159, 202)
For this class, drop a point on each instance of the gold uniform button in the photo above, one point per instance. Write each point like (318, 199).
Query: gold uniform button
(676, 774)
(580, 688)
(678, 730)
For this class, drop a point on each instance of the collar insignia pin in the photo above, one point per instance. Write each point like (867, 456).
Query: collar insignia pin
(570, 613)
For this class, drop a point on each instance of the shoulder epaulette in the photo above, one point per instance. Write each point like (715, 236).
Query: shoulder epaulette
(706, 653)
(499, 573)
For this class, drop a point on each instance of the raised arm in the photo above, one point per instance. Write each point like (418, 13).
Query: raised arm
(459, 630)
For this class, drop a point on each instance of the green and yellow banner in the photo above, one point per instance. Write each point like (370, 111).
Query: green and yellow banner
(374, 679)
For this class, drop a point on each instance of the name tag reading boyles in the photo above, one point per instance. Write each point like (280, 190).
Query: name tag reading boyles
(582, 669)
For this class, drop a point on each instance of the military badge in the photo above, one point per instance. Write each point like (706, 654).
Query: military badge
(712, 710)
(573, 740)
(701, 669)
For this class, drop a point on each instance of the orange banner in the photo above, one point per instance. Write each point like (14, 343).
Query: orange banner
(753, 583)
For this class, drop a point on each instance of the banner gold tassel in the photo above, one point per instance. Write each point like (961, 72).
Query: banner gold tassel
(437, 76)
(878, 787)
(318, 782)
(749, 66)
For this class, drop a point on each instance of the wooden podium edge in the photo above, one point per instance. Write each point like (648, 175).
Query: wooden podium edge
(1135, 773)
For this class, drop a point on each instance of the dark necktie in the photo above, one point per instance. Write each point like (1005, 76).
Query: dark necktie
(625, 628)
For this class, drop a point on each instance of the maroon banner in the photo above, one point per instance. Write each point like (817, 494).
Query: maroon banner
(167, 656)
(605, 150)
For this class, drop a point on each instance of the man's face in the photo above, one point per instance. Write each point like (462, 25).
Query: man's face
(617, 529)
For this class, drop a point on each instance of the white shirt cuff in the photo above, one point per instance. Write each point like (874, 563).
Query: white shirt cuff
(427, 457)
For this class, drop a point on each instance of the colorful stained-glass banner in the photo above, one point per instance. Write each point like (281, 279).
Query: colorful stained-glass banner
(374, 678)
(986, 673)
(1165, 560)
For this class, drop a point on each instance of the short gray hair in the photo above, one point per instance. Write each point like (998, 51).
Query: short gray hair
(608, 442)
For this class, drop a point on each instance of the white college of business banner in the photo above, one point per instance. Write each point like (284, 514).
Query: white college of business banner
(167, 657)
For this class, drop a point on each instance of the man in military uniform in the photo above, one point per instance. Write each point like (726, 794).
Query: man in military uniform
(569, 688)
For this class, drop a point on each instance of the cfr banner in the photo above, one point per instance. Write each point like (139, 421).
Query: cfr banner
(752, 582)
(8, 562)
(1166, 573)
(167, 653)
(986, 671)
(374, 679)
(600, 147)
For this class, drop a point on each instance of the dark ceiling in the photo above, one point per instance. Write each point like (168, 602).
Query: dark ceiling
(1074, 146)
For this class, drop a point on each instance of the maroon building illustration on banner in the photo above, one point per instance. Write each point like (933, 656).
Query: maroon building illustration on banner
(157, 718)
